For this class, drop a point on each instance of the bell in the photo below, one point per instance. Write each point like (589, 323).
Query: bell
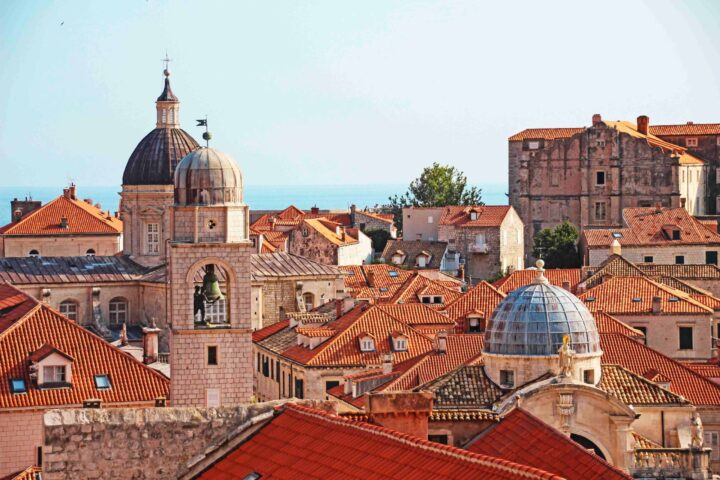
(211, 285)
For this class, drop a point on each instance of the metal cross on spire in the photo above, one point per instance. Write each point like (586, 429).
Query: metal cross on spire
(167, 61)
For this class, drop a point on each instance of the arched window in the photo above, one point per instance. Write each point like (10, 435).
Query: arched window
(34, 253)
(90, 252)
(69, 308)
(309, 300)
(118, 311)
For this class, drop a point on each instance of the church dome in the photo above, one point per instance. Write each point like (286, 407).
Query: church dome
(154, 160)
(208, 177)
(532, 320)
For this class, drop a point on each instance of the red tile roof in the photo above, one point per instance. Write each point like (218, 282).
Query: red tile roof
(415, 314)
(329, 230)
(418, 285)
(515, 435)
(685, 129)
(483, 297)
(30, 473)
(609, 324)
(293, 216)
(640, 359)
(488, 215)
(29, 330)
(520, 278)
(708, 369)
(83, 218)
(645, 227)
(301, 442)
(545, 133)
(634, 295)
(270, 330)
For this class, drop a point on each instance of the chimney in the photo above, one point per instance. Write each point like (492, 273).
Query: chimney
(643, 121)
(272, 223)
(370, 278)
(21, 208)
(441, 341)
(566, 285)
(461, 271)
(64, 222)
(615, 247)
(353, 208)
(596, 119)
(72, 190)
(406, 412)
(387, 363)
(656, 305)
(315, 210)
(150, 344)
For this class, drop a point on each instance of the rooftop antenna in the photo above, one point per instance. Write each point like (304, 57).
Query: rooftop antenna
(207, 136)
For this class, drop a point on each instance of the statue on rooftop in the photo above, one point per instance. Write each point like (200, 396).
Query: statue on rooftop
(567, 358)
(696, 431)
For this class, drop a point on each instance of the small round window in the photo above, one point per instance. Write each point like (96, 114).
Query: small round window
(212, 224)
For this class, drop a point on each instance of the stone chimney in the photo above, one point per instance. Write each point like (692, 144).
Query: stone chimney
(596, 119)
(150, 344)
(387, 363)
(656, 305)
(70, 192)
(643, 122)
(370, 278)
(615, 247)
(315, 210)
(406, 412)
(441, 342)
(566, 285)
(272, 223)
(353, 208)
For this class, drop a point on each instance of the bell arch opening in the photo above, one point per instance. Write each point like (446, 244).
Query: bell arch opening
(588, 444)
(211, 287)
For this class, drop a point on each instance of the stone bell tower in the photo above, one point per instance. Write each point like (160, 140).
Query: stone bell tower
(209, 284)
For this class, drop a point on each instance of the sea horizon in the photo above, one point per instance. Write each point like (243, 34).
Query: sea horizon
(258, 197)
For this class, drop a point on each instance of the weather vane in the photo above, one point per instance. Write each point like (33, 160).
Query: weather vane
(202, 122)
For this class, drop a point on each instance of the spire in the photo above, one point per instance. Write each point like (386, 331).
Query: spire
(167, 105)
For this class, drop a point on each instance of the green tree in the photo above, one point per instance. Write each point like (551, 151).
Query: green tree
(437, 186)
(557, 246)
(379, 239)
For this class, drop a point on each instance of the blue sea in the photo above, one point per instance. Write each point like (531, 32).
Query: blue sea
(259, 197)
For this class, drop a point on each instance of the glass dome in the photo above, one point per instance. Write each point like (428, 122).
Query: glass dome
(533, 320)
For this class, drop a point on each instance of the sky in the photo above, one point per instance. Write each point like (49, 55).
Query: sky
(338, 92)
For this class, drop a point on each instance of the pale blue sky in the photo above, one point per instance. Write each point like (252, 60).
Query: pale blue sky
(336, 92)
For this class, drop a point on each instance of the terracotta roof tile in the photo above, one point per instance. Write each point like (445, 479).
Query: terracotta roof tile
(685, 129)
(638, 358)
(465, 387)
(634, 295)
(545, 133)
(417, 285)
(132, 382)
(346, 449)
(30, 473)
(483, 297)
(488, 215)
(415, 314)
(83, 218)
(644, 442)
(411, 249)
(559, 454)
(683, 272)
(609, 324)
(634, 389)
(708, 369)
(520, 278)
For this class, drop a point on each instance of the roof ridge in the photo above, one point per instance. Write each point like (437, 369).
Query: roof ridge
(407, 439)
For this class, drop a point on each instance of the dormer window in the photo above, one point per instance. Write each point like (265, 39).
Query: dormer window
(102, 382)
(34, 253)
(473, 215)
(50, 367)
(54, 374)
(676, 234)
(399, 342)
(367, 343)
(18, 385)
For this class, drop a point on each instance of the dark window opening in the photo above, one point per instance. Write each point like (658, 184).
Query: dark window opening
(277, 371)
(648, 259)
(443, 439)
(258, 362)
(679, 259)
(212, 358)
(711, 258)
(589, 376)
(299, 388)
(676, 234)
(265, 367)
(644, 332)
(589, 445)
(686, 338)
(600, 178)
(331, 384)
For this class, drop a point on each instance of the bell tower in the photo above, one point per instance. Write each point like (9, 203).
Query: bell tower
(209, 283)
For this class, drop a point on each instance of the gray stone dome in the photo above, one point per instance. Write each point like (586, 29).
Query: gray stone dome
(208, 177)
(532, 320)
(154, 159)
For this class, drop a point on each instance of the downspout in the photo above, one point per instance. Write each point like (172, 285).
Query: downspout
(662, 426)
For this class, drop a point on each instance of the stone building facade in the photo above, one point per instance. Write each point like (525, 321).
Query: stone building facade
(589, 175)
(330, 243)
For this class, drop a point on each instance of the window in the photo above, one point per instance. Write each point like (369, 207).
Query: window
(102, 382)
(393, 273)
(331, 384)
(265, 366)
(90, 253)
(212, 355)
(711, 257)
(34, 253)
(691, 142)
(443, 439)
(212, 396)
(430, 219)
(533, 144)
(299, 388)
(305, 232)
(215, 313)
(421, 261)
(600, 210)
(309, 300)
(712, 440)
(258, 362)
(277, 370)
(367, 344)
(474, 325)
(425, 299)
(152, 231)
(272, 369)
(648, 259)
(17, 385)
(118, 311)
(507, 378)
(676, 234)
(644, 332)
(473, 216)
(54, 374)
(617, 234)
(437, 300)
(686, 338)
(69, 308)
(679, 259)
(599, 178)
(400, 344)
(589, 376)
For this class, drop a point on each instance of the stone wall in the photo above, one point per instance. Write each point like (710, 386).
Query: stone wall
(694, 254)
(313, 246)
(663, 333)
(142, 444)
(63, 245)
(140, 205)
